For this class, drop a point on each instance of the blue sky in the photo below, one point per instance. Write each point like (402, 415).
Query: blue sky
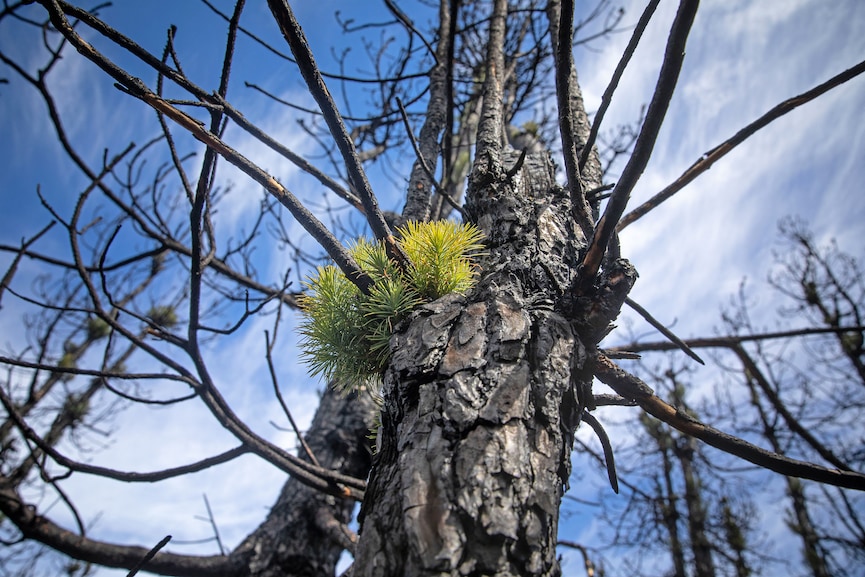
(743, 57)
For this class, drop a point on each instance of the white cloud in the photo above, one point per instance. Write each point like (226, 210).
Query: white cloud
(743, 58)
(741, 61)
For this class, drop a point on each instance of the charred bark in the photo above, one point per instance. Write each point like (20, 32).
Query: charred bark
(306, 530)
(482, 397)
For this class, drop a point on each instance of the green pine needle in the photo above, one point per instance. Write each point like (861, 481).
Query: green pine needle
(345, 335)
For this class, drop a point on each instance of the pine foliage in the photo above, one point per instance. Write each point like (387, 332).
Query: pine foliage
(345, 334)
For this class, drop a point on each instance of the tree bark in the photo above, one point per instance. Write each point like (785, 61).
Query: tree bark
(482, 398)
(306, 531)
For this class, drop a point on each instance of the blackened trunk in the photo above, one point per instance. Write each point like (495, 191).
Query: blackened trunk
(482, 398)
(306, 531)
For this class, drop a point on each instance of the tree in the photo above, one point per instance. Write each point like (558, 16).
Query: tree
(482, 393)
(785, 385)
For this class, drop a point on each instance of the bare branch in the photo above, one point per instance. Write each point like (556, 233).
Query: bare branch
(422, 179)
(35, 526)
(566, 88)
(19, 253)
(609, 457)
(150, 554)
(667, 79)
(430, 177)
(752, 370)
(607, 98)
(706, 161)
(491, 124)
(664, 330)
(732, 340)
(296, 39)
(285, 409)
(136, 88)
(629, 386)
(125, 476)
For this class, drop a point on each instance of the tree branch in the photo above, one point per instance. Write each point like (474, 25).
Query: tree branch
(732, 340)
(667, 79)
(664, 330)
(127, 477)
(491, 124)
(566, 88)
(296, 39)
(607, 98)
(750, 368)
(629, 386)
(136, 88)
(428, 150)
(430, 181)
(19, 253)
(34, 526)
(706, 161)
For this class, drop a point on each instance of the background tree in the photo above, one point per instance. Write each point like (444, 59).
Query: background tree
(483, 393)
(797, 387)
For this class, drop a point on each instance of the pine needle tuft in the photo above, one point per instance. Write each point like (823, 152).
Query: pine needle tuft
(345, 335)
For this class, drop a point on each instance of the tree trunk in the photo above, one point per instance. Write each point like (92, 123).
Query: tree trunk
(704, 566)
(801, 523)
(482, 398)
(669, 498)
(306, 531)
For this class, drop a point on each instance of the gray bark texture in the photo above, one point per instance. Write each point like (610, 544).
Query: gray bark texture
(484, 392)
(306, 531)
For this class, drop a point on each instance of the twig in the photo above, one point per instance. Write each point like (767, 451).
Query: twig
(424, 164)
(750, 368)
(136, 88)
(150, 554)
(512, 171)
(19, 253)
(93, 373)
(43, 473)
(274, 380)
(213, 525)
(406, 21)
(39, 528)
(609, 459)
(730, 341)
(213, 99)
(605, 400)
(630, 386)
(566, 87)
(283, 56)
(293, 34)
(288, 154)
(614, 81)
(706, 161)
(596, 193)
(590, 567)
(667, 79)
(128, 477)
(663, 330)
